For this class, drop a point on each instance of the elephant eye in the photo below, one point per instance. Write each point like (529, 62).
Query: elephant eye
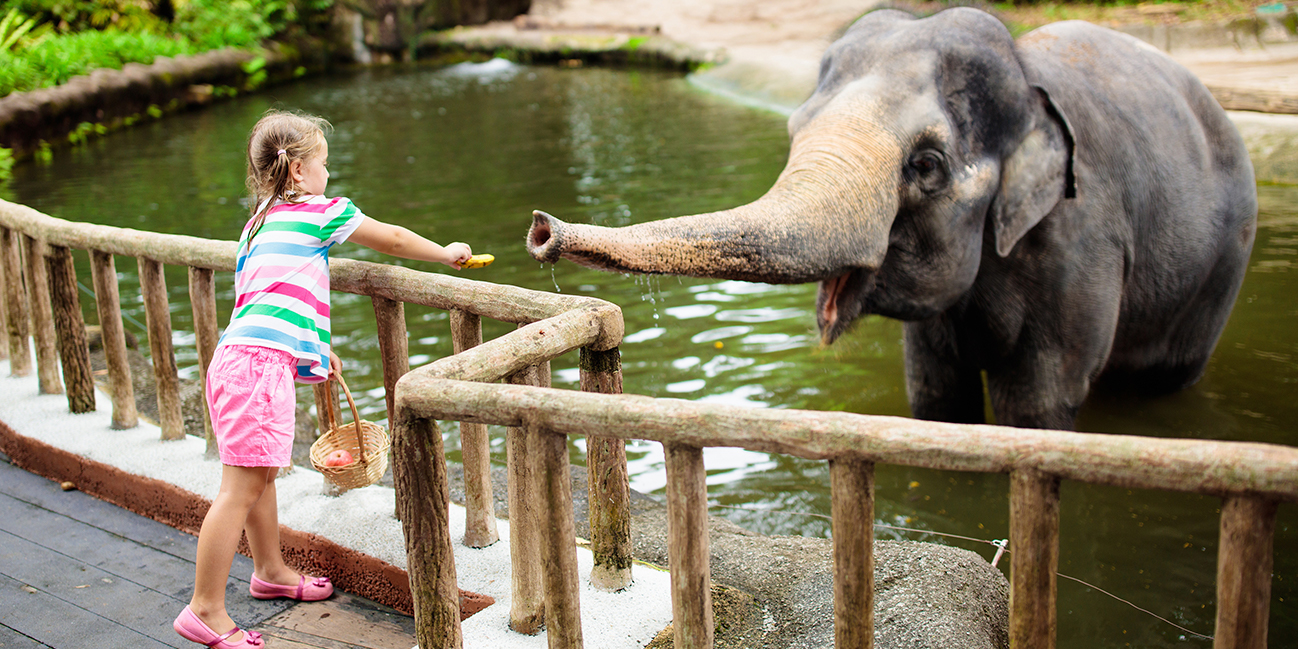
(926, 169)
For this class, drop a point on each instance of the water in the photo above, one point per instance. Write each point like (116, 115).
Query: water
(466, 153)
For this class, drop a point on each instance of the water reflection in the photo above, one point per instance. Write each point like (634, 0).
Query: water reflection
(467, 152)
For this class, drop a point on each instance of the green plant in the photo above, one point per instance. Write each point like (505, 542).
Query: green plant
(12, 28)
(71, 16)
(212, 24)
(256, 71)
(6, 163)
(55, 60)
(43, 153)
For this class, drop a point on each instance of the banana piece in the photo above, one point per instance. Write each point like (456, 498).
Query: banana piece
(477, 261)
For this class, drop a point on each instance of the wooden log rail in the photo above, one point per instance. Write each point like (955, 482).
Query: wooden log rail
(1251, 478)
(569, 322)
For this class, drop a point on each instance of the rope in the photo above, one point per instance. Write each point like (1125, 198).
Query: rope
(1002, 547)
(125, 316)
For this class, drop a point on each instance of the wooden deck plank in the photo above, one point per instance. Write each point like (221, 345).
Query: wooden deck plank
(77, 572)
(97, 593)
(61, 624)
(46, 494)
(347, 620)
(128, 546)
(10, 639)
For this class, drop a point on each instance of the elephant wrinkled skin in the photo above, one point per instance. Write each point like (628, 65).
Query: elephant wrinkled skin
(1069, 208)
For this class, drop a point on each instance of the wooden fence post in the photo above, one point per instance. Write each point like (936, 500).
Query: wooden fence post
(852, 493)
(4, 317)
(1244, 560)
(423, 502)
(687, 547)
(71, 329)
(475, 449)
(327, 413)
(1034, 540)
(38, 293)
(202, 299)
(559, 542)
(527, 599)
(608, 485)
(326, 406)
(394, 349)
(15, 293)
(108, 303)
(158, 319)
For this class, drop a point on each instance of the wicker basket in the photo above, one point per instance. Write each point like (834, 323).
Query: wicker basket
(366, 441)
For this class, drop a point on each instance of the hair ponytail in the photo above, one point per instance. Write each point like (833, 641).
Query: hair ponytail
(275, 142)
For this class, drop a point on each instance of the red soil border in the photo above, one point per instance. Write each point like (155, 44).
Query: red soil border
(356, 573)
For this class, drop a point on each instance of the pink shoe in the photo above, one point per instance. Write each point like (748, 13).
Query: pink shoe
(193, 629)
(317, 589)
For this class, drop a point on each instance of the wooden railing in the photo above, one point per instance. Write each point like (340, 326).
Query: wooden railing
(41, 303)
(1250, 478)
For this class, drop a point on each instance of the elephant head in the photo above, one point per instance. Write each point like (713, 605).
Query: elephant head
(923, 149)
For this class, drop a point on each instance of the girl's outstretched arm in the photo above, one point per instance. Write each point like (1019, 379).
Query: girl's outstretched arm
(399, 242)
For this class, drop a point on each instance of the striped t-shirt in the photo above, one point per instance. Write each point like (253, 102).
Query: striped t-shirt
(282, 281)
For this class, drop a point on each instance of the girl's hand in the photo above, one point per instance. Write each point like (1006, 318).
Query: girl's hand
(335, 365)
(458, 253)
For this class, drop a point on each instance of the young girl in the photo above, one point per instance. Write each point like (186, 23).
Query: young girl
(278, 335)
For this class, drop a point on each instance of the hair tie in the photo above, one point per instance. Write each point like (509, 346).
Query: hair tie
(281, 152)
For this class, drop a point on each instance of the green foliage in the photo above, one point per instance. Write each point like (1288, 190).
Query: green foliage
(55, 60)
(212, 24)
(44, 154)
(64, 38)
(6, 163)
(14, 27)
(256, 71)
(71, 16)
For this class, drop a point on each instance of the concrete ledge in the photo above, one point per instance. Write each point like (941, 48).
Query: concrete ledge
(549, 45)
(1272, 142)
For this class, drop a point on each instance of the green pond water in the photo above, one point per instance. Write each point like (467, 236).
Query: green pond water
(467, 152)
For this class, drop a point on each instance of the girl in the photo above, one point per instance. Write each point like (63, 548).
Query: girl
(278, 334)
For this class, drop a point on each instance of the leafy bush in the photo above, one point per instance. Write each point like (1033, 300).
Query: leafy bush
(111, 33)
(55, 60)
(211, 24)
(6, 164)
(70, 16)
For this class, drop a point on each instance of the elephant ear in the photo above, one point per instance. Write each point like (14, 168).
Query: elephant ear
(1035, 176)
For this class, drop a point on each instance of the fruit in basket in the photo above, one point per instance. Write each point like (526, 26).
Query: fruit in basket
(340, 457)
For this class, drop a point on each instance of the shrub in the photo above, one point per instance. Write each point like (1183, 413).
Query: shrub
(55, 60)
(115, 32)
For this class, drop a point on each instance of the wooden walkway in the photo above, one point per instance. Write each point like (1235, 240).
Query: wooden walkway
(79, 573)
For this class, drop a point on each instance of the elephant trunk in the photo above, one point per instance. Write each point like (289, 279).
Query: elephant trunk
(828, 213)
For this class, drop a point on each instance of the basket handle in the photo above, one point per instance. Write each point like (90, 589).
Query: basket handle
(356, 417)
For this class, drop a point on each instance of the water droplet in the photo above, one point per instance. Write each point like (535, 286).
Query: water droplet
(555, 280)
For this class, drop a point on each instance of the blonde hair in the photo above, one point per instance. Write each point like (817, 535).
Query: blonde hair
(279, 138)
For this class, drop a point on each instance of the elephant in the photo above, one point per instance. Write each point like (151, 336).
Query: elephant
(1066, 211)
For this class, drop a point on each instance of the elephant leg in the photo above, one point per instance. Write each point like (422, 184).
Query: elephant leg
(939, 385)
(1036, 394)
(1044, 383)
(1183, 356)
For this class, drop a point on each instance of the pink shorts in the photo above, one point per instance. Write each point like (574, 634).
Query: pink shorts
(253, 404)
